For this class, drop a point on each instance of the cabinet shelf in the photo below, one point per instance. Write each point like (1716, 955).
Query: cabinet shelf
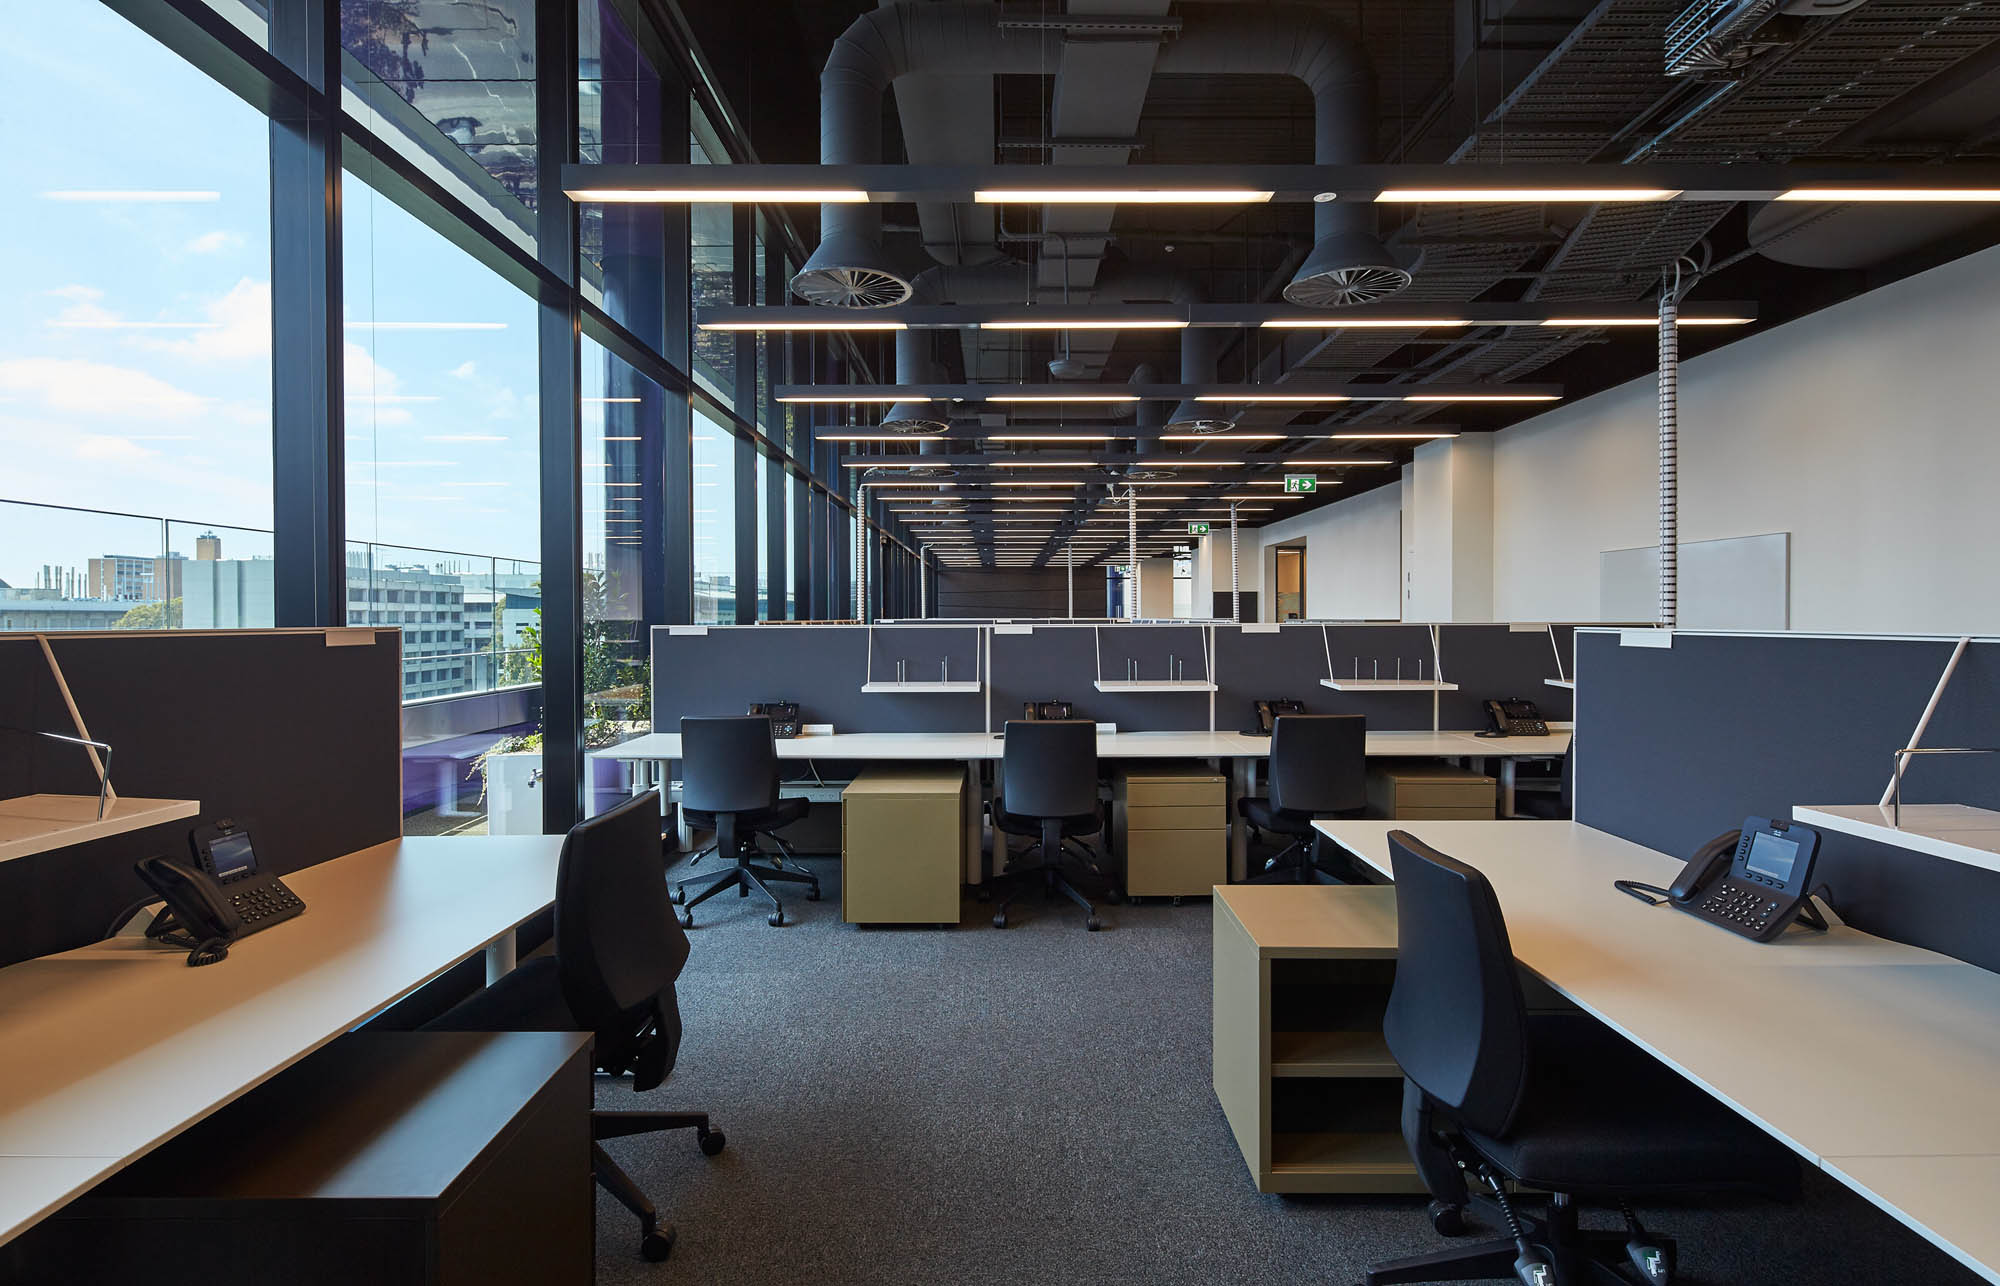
(37, 823)
(1561, 683)
(914, 686)
(1387, 685)
(1332, 1053)
(1326, 1162)
(1153, 685)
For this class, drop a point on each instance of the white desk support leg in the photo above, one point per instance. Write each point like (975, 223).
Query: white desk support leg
(1242, 784)
(499, 957)
(1507, 763)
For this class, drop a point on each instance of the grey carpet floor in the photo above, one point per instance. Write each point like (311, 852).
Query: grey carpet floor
(1033, 1106)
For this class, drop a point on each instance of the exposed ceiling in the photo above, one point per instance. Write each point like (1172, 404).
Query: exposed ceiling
(1483, 82)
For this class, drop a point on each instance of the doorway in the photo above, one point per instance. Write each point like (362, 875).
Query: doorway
(1291, 577)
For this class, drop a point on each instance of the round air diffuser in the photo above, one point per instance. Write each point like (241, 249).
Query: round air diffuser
(1344, 270)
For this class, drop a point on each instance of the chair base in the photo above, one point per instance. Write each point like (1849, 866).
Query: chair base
(1303, 862)
(1053, 882)
(744, 876)
(656, 1240)
(1549, 1251)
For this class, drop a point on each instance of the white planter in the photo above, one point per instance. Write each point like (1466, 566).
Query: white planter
(514, 793)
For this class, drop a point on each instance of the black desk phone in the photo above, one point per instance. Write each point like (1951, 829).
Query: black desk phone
(1753, 881)
(1514, 717)
(1037, 710)
(219, 899)
(784, 716)
(1268, 712)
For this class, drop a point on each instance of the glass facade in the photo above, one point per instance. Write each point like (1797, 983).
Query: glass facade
(470, 474)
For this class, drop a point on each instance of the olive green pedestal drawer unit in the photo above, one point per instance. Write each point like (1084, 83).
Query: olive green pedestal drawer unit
(1302, 976)
(902, 845)
(1425, 790)
(1171, 827)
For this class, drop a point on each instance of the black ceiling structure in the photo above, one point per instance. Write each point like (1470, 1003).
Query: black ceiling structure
(1474, 83)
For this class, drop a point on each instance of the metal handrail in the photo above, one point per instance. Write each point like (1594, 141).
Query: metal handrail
(103, 766)
(1902, 759)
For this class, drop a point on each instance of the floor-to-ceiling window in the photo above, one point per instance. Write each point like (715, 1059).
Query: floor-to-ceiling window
(713, 506)
(135, 336)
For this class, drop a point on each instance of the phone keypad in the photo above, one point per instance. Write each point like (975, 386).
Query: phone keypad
(1741, 906)
(264, 901)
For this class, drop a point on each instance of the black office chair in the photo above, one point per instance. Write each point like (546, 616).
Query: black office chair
(618, 951)
(1049, 791)
(1558, 805)
(1549, 1101)
(1319, 768)
(729, 784)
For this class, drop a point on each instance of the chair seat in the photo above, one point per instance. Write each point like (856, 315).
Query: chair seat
(1600, 1116)
(781, 814)
(527, 998)
(1018, 824)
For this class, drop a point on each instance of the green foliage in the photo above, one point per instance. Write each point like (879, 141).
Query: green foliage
(151, 616)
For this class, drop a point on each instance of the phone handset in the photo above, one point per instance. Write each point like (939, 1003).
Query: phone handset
(197, 917)
(1708, 864)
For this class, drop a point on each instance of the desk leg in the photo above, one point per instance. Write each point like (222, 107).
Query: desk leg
(975, 865)
(1242, 783)
(1507, 785)
(499, 957)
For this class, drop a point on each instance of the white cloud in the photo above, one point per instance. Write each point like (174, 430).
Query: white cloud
(209, 243)
(84, 294)
(79, 387)
(465, 370)
(101, 449)
(240, 330)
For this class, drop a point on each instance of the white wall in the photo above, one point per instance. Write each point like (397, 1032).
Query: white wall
(1867, 430)
(1353, 558)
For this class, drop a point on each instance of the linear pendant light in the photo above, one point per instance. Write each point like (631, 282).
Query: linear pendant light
(1121, 196)
(1527, 196)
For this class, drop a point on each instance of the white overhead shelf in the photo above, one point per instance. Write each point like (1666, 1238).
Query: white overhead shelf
(915, 686)
(1560, 683)
(1387, 685)
(37, 823)
(1954, 832)
(1153, 685)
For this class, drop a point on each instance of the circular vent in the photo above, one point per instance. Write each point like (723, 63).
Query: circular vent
(1203, 424)
(915, 427)
(1344, 287)
(850, 287)
(1134, 474)
(915, 473)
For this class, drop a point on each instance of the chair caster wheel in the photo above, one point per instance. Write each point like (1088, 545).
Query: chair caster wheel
(712, 1142)
(1093, 924)
(680, 897)
(1448, 1220)
(1114, 897)
(654, 1247)
(687, 919)
(775, 919)
(812, 894)
(1000, 921)
(1178, 900)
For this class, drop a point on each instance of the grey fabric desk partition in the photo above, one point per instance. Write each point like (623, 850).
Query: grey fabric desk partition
(1678, 744)
(722, 669)
(272, 727)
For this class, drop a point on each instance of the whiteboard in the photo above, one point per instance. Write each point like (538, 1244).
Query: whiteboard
(1739, 584)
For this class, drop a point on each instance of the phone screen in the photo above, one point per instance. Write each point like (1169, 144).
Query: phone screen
(1772, 857)
(232, 855)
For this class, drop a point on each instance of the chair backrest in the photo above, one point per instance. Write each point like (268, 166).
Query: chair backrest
(1319, 763)
(729, 764)
(1049, 767)
(619, 947)
(1456, 1023)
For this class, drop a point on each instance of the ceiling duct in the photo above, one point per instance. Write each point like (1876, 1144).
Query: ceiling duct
(913, 473)
(1348, 265)
(916, 364)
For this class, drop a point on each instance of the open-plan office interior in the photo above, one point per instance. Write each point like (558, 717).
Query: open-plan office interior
(1130, 641)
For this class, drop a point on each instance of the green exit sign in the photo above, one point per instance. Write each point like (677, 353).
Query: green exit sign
(1197, 529)
(1299, 483)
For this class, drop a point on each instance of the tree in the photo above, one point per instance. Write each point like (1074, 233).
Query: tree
(151, 616)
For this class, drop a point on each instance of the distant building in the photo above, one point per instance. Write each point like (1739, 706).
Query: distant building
(207, 547)
(48, 609)
(132, 578)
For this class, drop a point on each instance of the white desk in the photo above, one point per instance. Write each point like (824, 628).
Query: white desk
(109, 1050)
(1238, 750)
(1871, 1059)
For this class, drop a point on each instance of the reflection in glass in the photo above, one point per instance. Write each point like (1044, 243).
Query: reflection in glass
(619, 105)
(712, 268)
(763, 533)
(795, 556)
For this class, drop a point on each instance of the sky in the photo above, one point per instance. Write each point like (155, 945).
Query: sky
(135, 363)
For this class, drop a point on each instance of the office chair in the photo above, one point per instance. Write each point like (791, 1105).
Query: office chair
(729, 784)
(618, 950)
(1554, 1102)
(1319, 768)
(1049, 791)
(1562, 806)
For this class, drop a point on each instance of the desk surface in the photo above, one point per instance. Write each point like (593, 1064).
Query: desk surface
(1850, 1049)
(109, 1050)
(1116, 745)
